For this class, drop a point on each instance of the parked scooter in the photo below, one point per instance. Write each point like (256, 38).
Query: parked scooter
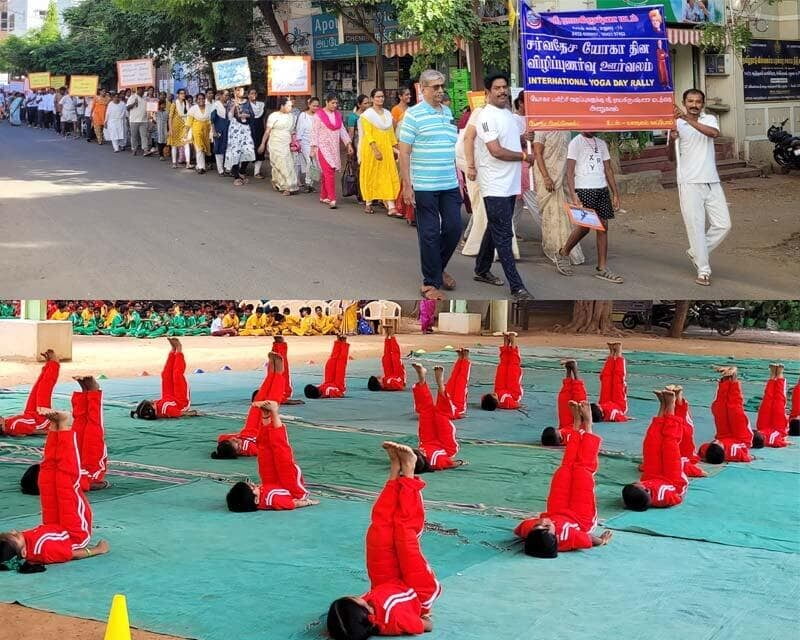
(724, 320)
(787, 146)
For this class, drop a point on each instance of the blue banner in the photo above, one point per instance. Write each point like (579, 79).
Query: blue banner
(326, 41)
(602, 70)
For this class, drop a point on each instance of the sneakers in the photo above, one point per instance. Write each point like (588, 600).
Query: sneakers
(523, 295)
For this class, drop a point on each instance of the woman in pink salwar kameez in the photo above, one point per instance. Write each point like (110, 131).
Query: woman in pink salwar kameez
(326, 135)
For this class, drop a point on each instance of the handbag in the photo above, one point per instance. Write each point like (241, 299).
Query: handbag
(314, 174)
(349, 186)
(294, 145)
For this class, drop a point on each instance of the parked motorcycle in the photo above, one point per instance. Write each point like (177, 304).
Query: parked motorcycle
(723, 320)
(787, 146)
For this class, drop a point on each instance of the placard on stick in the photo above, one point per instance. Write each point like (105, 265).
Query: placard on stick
(136, 73)
(39, 80)
(288, 75)
(232, 73)
(83, 85)
(56, 82)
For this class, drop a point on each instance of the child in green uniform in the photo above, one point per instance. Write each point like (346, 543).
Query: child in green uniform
(91, 326)
(179, 326)
(202, 323)
(135, 323)
(118, 328)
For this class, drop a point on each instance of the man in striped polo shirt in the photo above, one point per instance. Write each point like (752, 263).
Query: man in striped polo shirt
(427, 137)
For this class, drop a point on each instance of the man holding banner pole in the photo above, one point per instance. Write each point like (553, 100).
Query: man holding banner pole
(137, 112)
(699, 188)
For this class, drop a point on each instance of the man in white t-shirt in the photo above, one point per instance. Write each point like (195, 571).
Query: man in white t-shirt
(699, 188)
(137, 115)
(591, 184)
(498, 152)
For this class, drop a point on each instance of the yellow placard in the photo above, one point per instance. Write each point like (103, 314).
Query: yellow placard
(56, 82)
(83, 85)
(39, 80)
(476, 99)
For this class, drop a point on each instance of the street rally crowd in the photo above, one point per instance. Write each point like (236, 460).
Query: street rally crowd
(416, 161)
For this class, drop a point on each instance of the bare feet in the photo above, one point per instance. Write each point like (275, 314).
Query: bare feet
(277, 362)
(49, 355)
(571, 366)
(394, 460)
(342, 338)
(669, 401)
(614, 348)
(408, 460)
(278, 339)
(267, 406)
(463, 353)
(102, 547)
(575, 410)
(59, 420)
(389, 331)
(87, 383)
(438, 374)
(176, 345)
(586, 416)
(421, 371)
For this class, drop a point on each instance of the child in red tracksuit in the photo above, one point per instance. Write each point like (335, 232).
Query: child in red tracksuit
(394, 373)
(333, 385)
(87, 416)
(437, 434)
(403, 587)
(772, 422)
(66, 515)
(233, 445)
(281, 347)
(688, 450)
(572, 390)
(734, 436)
(613, 403)
(571, 506)
(175, 400)
(794, 416)
(663, 482)
(31, 422)
(508, 378)
(458, 384)
(282, 486)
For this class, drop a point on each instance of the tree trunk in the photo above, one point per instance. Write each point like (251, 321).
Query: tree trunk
(267, 8)
(591, 316)
(679, 321)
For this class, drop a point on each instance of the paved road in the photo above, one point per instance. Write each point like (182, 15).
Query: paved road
(80, 221)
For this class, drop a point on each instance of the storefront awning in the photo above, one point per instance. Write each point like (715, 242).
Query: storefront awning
(402, 48)
(684, 36)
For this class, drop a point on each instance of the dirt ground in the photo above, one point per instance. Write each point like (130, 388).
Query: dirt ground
(120, 357)
(763, 211)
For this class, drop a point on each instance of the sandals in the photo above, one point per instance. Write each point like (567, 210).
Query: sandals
(608, 276)
(704, 280)
(325, 201)
(287, 193)
(431, 293)
(332, 205)
(488, 278)
(238, 182)
(394, 213)
(368, 209)
(563, 265)
(448, 281)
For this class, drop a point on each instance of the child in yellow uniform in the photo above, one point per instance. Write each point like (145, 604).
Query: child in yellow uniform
(231, 320)
(61, 312)
(325, 325)
(306, 324)
(256, 324)
(110, 315)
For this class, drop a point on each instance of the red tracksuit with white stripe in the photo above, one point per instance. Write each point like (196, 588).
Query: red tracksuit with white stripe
(457, 387)
(174, 388)
(795, 414)
(571, 389)
(437, 434)
(572, 505)
(41, 395)
(281, 478)
(282, 349)
(403, 586)
(614, 390)
(662, 464)
(272, 388)
(87, 417)
(333, 385)
(394, 373)
(684, 413)
(66, 514)
(733, 425)
(772, 421)
(508, 378)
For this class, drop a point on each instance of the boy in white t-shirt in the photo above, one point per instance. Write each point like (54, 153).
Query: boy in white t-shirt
(591, 183)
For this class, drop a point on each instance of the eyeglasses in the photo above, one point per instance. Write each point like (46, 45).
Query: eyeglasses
(434, 86)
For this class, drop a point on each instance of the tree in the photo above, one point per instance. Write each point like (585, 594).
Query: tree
(679, 321)
(736, 32)
(50, 30)
(591, 316)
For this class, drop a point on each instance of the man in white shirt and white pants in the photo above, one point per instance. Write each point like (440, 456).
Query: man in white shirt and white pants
(699, 187)
(137, 111)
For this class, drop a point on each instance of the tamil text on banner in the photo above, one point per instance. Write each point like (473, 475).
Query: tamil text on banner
(597, 70)
(83, 85)
(326, 41)
(56, 82)
(232, 73)
(288, 75)
(772, 70)
(476, 99)
(39, 80)
(136, 73)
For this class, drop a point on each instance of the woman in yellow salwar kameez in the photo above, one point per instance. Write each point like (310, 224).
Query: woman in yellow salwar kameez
(350, 317)
(176, 128)
(378, 174)
(198, 131)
